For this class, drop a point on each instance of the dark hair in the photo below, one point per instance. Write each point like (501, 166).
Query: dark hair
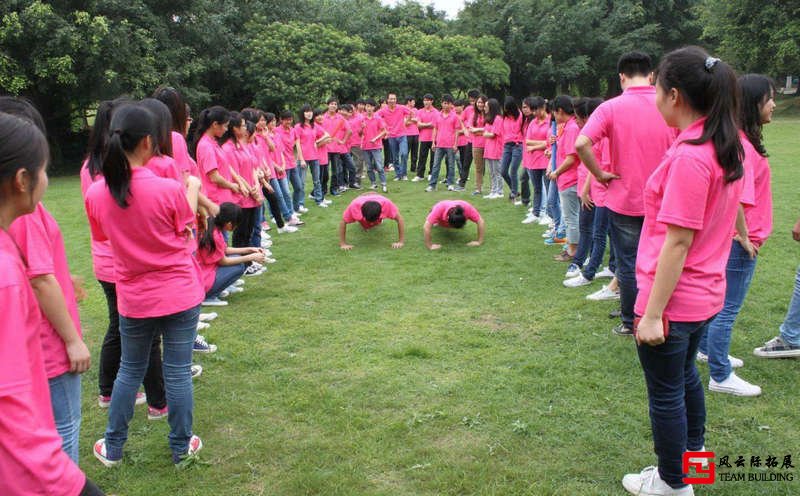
(580, 106)
(228, 212)
(447, 97)
(427, 96)
(389, 94)
(510, 107)
(563, 102)
(301, 118)
(98, 138)
(370, 101)
(269, 116)
(209, 116)
(492, 110)
(473, 93)
(252, 114)
(529, 102)
(475, 108)
(163, 124)
(251, 127)
(410, 98)
(286, 114)
(22, 146)
(460, 102)
(456, 217)
(332, 99)
(177, 108)
(347, 107)
(361, 101)
(23, 108)
(635, 64)
(371, 210)
(234, 121)
(710, 88)
(130, 124)
(757, 89)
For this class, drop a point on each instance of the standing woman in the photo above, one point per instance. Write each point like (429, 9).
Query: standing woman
(475, 128)
(148, 222)
(31, 454)
(304, 137)
(512, 146)
(243, 166)
(533, 158)
(691, 202)
(218, 183)
(493, 147)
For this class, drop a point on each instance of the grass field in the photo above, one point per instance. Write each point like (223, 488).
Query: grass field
(468, 371)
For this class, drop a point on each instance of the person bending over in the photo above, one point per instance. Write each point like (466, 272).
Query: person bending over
(369, 210)
(453, 213)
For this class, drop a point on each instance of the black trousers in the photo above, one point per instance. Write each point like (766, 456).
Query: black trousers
(335, 166)
(413, 150)
(274, 208)
(323, 177)
(464, 163)
(111, 353)
(423, 162)
(348, 168)
(243, 232)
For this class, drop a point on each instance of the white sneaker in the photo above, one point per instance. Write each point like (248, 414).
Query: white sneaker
(266, 252)
(490, 196)
(545, 220)
(327, 202)
(303, 210)
(606, 272)
(266, 243)
(265, 235)
(289, 229)
(649, 483)
(517, 203)
(239, 282)
(572, 271)
(269, 260)
(735, 362)
(734, 385)
(417, 179)
(236, 289)
(322, 205)
(214, 302)
(202, 326)
(577, 282)
(548, 234)
(530, 219)
(208, 317)
(429, 189)
(603, 294)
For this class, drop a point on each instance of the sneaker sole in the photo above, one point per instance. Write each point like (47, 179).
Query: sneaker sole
(733, 392)
(157, 417)
(105, 461)
(777, 354)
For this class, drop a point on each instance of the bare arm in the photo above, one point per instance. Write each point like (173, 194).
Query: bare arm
(583, 146)
(567, 164)
(343, 236)
(426, 230)
(216, 178)
(481, 231)
(51, 300)
(193, 192)
(742, 234)
(401, 232)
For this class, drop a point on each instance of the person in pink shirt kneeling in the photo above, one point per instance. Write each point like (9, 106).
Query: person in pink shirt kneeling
(369, 210)
(452, 214)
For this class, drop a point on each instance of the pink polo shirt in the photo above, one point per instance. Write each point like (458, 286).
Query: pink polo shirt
(211, 158)
(353, 211)
(462, 139)
(102, 256)
(284, 140)
(512, 132)
(466, 118)
(42, 247)
(478, 141)
(538, 131)
(566, 147)
(638, 138)
(493, 147)
(244, 163)
(336, 126)
(278, 155)
(426, 116)
(307, 136)
(156, 272)
(209, 259)
(438, 214)
(688, 190)
(597, 190)
(411, 129)
(166, 167)
(370, 128)
(395, 119)
(757, 213)
(31, 458)
(180, 152)
(446, 126)
(355, 125)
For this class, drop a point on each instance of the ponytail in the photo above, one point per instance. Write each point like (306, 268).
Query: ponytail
(228, 212)
(130, 124)
(208, 117)
(456, 217)
(710, 87)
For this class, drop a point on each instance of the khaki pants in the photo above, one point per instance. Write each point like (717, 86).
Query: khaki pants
(477, 157)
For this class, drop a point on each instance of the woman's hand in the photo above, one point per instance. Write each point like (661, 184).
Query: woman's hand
(650, 331)
(77, 286)
(586, 200)
(79, 358)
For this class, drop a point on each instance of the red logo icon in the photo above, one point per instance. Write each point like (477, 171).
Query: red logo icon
(702, 462)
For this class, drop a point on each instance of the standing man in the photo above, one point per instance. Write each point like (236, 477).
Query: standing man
(426, 118)
(395, 118)
(412, 132)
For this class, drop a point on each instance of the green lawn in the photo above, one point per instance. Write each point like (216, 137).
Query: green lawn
(463, 371)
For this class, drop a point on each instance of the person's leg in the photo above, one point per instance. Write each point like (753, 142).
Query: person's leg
(402, 156)
(413, 151)
(225, 276)
(554, 208)
(450, 162)
(717, 341)
(372, 165)
(677, 404)
(323, 179)
(316, 180)
(298, 188)
(599, 234)
(585, 223)
(179, 331)
(790, 328)
(480, 167)
(287, 198)
(536, 179)
(243, 230)
(358, 160)
(275, 209)
(349, 171)
(334, 170)
(570, 209)
(387, 153)
(466, 164)
(438, 155)
(513, 168)
(625, 232)
(505, 164)
(524, 186)
(276, 186)
(424, 150)
(111, 349)
(255, 236)
(378, 160)
(137, 338)
(461, 160)
(65, 398)
(154, 378)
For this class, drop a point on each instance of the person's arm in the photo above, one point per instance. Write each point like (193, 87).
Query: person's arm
(230, 250)
(215, 177)
(586, 198)
(401, 232)
(567, 164)
(193, 192)
(426, 229)
(204, 202)
(743, 235)
(796, 231)
(343, 236)
(533, 145)
(346, 138)
(481, 231)
(299, 152)
(251, 257)
(670, 266)
(583, 146)
(51, 300)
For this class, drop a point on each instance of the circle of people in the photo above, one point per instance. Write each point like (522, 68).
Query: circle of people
(673, 173)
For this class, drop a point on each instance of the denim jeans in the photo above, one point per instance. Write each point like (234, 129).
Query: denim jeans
(359, 161)
(675, 394)
(790, 329)
(554, 209)
(316, 180)
(275, 202)
(570, 212)
(224, 277)
(279, 194)
(349, 177)
(283, 191)
(375, 164)
(509, 165)
(464, 163)
(255, 239)
(599, 234)
(524, 186)
(297, 177)
(178, 331)
(535, 176)
(625, 231)
(717, 341)
(585, 226)
(450, 161)
(399, 150)
(65, 397)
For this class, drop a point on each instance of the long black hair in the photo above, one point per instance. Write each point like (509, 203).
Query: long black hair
(163, 124)
(456, 217)
(475, 109)
(98, 138)
(228, 212)
(234, 121)
(207, 117)
(510, 107)
(177, 107)
(492, 110)
(301, 118)
(709, 86)
(22, 146)
(130, 124)
(757, 89)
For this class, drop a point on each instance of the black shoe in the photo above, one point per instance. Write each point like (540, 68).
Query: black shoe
(615, 314)
(621, 330)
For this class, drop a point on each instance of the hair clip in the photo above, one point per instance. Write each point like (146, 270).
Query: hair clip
(710, 63)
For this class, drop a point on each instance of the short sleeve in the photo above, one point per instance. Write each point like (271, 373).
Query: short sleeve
(206, 159)
(571, 134)
(596, 127)
(14, 360)
(685, 193)
(389, 210)
(749, 178)
(471, 213)
(435, 217)
(352, 213)
(30, 234)
(94, 224)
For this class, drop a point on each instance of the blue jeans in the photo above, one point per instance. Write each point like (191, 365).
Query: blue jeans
(599, 234)
(717, 341)
(348, 171)
(675, 394)
(283, 191)
(178, 331)
(224, 277)
(554, 209)
(65, 397)
(450, 161)
(535, 176)
(374, 160)
(509, 165)
(297, 177)
(625, 231)
(790, 329)
(399, 150)
(317, 193)
(585, 226)
(255, 239)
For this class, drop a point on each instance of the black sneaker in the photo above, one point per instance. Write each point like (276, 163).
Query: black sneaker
(615, 314)
(621, 330)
